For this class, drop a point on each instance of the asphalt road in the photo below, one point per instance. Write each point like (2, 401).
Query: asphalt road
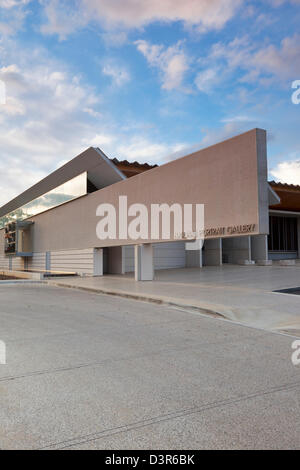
(88, 371)
(244, 294)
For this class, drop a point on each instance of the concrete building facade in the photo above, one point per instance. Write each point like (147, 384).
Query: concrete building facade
(52, 226)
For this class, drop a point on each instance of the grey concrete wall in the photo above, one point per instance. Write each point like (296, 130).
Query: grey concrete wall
(98, 262)
(37, 262)
(143, 263)
(128, 259)
(259, 247)
(169, 255)
(262, 181)
(166, 256)
(79, 261)
(236, 249)
(17, 263)
(4, 261)
(213, 252)
(194, 258)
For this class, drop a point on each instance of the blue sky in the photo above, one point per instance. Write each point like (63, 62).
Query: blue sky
(144, 80)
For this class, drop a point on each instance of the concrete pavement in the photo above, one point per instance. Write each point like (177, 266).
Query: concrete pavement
(239, 293)
(88, 371)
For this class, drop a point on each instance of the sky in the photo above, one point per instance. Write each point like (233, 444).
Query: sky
(145, 80)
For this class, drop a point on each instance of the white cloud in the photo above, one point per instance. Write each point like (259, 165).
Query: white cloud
(12, 16)
(101, 140)
(283, 62)
(117, 73)
(63, 18)
(230, 129)
(16, 180)
(130, 14)
(257, 63)
(239, 119)
(12, 107)
(13, 3)
(207, 80)
(278, 3)
(115, 38)
(287, 172)
(171, 61)
(144, 150)
(92, 112)
(49, 115)
(12, 19)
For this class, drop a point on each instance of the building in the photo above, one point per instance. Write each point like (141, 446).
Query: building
(284, 228)
(52, 225)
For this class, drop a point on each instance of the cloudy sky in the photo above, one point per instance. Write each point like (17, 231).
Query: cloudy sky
(144, 80)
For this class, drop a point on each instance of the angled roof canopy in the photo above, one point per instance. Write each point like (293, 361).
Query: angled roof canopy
(101, 172)
(273, 196)
(289, 197)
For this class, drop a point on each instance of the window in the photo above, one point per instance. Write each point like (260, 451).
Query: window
(283, 234)
(72, 189)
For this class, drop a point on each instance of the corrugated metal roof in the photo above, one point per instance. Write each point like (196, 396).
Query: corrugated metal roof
(289, 196)
(279, 185)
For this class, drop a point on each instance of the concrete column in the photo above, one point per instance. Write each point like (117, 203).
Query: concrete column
(98, 262)
(143, 263)
(237, 250)
(193, 258)
(259, 247)
(213, 252)
(259, 250)
(48, 261)
(19, 241)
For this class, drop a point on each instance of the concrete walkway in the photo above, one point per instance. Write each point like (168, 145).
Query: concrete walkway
(239, 293)
(88, 371)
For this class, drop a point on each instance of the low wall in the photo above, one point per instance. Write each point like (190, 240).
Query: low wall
(22, 275)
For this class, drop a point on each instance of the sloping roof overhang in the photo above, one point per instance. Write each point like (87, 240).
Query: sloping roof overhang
(101, 172)
(289, 196)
